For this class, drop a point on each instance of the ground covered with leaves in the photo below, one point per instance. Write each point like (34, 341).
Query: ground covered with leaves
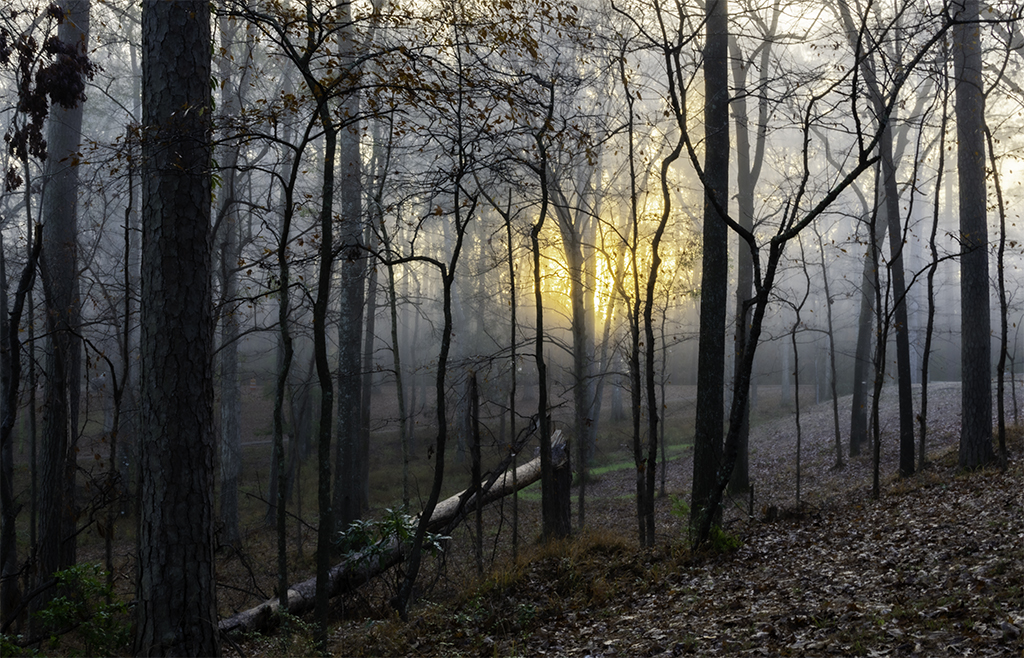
(934, 567)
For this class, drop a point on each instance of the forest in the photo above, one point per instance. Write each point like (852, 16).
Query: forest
(509, 327)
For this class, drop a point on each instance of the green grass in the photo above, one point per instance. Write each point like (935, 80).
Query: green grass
(532, 492)
(673, 452)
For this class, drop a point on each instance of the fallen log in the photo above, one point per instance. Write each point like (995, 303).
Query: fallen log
(362, 567)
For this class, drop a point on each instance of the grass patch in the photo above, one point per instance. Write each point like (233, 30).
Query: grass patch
(675, 451)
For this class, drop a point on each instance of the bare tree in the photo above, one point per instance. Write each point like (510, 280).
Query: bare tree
(748, 171)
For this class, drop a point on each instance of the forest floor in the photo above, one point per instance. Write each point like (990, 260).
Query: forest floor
(934, 567)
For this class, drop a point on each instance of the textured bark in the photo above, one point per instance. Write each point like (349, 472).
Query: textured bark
(975, 346)
(175, 611)
(57, 510)
(707, 443)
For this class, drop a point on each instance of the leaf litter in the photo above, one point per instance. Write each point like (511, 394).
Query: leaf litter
(935, 567)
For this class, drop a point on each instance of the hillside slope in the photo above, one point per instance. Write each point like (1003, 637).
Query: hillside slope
(935, 567)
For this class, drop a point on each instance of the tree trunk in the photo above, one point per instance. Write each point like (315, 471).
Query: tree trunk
(1003, 309)
(833, 386)
(708, 427)
(899, 290)
(396, 357)
(10, 592)
(366, 387)
(862, 363)
(175, 611)
(572, 227)
(748, 171)
(57, 510)
(10, 381)
(325, 524)
(975, 346)
(229, 249)
(555, 500)
(933, 249)
(348, 488)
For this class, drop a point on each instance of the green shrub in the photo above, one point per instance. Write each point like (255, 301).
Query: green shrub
(680, 508)
(365, 539)
(720, 540)
(86, 609)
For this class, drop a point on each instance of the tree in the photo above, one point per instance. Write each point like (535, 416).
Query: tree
(891, 208)
(830, 331)
(57, 513)
(975, 348)
(229, 248)
(933, 265)
(48, 72)
(554, 493)
(175, 612)
(707, 441)
(348, 484)
(10, 380)
(794, 218)
(748, 171)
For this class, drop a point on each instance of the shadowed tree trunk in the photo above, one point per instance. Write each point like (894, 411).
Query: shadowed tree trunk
(573, 225)
(897, 279)
(175, 611)
(975, 348)
(10, 382)
(862, 366)
(57, 510)
(348, 487)
(707, 442)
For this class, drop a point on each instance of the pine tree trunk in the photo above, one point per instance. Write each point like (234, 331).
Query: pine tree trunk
(175, 611)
